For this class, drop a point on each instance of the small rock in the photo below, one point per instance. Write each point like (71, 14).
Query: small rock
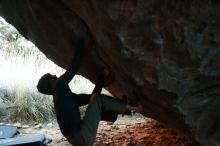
(38, 126)
(18, 125)
(50, 125)
(25, 126)
(109, 123)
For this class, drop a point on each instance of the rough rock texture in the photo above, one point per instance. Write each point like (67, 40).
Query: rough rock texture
(168, 51)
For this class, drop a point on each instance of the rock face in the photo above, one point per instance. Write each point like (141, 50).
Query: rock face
(168, 51)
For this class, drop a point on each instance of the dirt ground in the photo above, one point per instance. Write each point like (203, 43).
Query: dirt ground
(149, 133)
(124, 132)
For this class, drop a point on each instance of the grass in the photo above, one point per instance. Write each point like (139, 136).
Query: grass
(30, 106)
(22, 65)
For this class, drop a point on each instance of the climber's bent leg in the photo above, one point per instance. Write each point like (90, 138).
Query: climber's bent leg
(93, 115)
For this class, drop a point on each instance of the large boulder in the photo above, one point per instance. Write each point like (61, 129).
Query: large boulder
(167, 51)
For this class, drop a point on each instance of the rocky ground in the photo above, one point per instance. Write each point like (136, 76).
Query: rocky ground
(125, 131)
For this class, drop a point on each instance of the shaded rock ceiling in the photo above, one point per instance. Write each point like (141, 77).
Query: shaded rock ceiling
(168, 51)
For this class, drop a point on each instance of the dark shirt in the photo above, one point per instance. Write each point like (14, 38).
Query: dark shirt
(66, 106)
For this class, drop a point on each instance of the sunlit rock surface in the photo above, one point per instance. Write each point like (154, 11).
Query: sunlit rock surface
(166, 51)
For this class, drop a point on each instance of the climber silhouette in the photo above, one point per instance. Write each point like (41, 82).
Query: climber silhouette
(79, 131)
